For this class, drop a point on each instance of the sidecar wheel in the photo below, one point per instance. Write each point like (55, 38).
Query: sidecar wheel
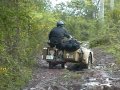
(89, 65)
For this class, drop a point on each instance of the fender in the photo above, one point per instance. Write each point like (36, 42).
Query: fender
(86, 53)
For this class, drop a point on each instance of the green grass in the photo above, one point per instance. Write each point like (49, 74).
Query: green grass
(115, 50)
(14, 79)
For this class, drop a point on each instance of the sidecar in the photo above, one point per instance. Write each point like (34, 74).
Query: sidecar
(83, 56)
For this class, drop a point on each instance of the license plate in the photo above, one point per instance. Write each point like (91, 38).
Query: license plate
(49, 57)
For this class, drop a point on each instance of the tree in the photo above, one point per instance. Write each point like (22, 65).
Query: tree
(101, 10)
(112, 4)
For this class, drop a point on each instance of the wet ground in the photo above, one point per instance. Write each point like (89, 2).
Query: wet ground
(105, 75)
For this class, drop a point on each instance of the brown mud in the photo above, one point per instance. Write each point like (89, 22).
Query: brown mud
(104, 75)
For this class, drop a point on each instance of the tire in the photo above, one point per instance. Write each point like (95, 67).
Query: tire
(50, 65)
(89, 65)
(63, 65)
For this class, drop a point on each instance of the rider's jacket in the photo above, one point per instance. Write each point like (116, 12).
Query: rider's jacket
(57, 34)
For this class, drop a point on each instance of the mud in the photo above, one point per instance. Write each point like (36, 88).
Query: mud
(104, 75)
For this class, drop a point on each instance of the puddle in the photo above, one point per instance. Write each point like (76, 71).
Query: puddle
(99, 79)
(81, 87)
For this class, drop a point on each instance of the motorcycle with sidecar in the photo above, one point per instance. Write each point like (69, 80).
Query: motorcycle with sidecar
(54, 56)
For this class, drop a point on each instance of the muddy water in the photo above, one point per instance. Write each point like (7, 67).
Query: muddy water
(97, 78)
(94, 79)
(104, 75)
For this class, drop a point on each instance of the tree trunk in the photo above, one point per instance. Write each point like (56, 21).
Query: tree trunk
(111, 4)
(101, 10)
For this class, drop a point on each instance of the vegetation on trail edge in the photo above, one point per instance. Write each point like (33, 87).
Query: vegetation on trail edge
(24, 28)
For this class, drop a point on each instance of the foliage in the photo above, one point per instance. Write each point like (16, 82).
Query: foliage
(22, 34)
(83, 23)
(113, 31)
(25, 25)
(109, 32)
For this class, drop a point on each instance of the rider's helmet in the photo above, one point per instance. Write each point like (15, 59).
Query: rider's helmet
(60, 23)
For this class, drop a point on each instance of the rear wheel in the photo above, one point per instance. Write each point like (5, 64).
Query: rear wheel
(63, 65)
(50, 65)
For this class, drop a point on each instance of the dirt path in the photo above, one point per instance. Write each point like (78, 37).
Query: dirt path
(105, 75)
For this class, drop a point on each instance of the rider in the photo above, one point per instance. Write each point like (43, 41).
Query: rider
(57, 34)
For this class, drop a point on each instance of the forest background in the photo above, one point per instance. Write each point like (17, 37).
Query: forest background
(25, 25)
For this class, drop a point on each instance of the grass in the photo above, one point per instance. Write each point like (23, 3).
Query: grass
(115, 50)
(14, 79)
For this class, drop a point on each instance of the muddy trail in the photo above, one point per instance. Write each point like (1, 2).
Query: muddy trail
(105, 75)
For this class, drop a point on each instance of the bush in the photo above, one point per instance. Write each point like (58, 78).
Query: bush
(100, 41)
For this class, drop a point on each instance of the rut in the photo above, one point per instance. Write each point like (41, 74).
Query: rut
(105, 75)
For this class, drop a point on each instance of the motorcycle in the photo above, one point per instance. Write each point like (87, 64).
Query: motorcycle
(54, 56)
